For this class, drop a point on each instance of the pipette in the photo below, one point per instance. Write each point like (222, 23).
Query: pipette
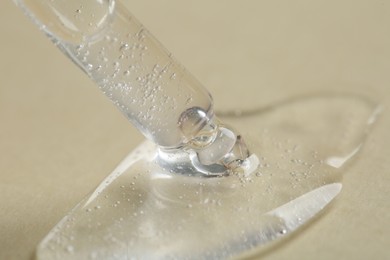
(157, 95)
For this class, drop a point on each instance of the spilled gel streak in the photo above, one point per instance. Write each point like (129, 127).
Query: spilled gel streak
(142, 211)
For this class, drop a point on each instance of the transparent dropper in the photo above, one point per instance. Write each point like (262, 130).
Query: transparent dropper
(157, 95)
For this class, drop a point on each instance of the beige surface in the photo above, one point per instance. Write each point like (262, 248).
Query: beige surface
(59, 136)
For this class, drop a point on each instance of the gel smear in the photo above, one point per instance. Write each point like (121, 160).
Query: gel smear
(142, 211)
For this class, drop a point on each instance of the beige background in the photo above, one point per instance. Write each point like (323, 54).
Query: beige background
(59, 136)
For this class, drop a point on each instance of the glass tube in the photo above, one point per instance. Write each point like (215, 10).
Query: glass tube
(157, 95)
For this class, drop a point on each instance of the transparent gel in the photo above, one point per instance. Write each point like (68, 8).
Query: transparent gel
(198, 188)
